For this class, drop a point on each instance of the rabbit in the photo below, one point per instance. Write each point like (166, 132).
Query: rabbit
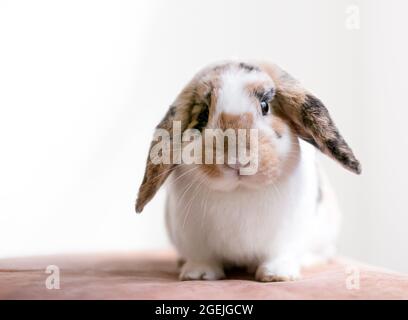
(273, 222)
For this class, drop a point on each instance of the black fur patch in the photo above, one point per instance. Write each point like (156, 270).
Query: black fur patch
(202, 118)
(248, 67)
(321, 131)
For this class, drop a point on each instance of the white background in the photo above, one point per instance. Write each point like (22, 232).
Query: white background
(83, 83)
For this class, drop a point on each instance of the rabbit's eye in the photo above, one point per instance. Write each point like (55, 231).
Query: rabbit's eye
(264, 107)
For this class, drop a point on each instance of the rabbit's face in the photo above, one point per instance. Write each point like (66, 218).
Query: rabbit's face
(256, 145)
(258, 102)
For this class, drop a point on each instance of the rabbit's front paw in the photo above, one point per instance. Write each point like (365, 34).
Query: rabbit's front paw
(201, 271)
(277, 271)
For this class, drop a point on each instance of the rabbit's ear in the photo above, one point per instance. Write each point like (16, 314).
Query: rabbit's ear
(156, 172)
(190, 110)
(309, 118)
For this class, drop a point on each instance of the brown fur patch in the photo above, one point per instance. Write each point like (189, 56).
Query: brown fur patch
(257, 89)
(273, 165)
(288, 90)
(233, 121)
(269, 159)
(211, 170)
(279, 126)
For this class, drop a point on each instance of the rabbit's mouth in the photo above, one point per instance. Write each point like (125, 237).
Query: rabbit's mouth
(231, 179)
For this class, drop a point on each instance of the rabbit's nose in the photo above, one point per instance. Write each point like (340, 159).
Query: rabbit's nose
(237, 165)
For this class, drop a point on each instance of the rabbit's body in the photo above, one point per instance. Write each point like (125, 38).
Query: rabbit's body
(272, 211)
(283, 225)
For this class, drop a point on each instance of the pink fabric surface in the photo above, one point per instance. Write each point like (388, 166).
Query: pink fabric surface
(153, 275)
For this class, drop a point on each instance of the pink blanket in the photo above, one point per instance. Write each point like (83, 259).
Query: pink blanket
(153, 275)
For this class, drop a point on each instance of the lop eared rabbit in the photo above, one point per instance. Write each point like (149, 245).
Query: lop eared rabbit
(272, 222)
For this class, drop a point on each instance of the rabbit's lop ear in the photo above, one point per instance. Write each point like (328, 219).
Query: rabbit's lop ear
(157, 170)
(309, 118)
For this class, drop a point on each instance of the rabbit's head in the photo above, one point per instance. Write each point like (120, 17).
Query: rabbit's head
(237, 125)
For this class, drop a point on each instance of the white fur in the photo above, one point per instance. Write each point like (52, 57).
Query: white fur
(231, 96)
(273, 229)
